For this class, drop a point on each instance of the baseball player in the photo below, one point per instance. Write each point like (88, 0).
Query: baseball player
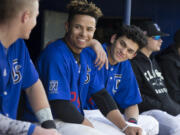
(119, 79)
(17, 72)
(65, 68)
(156, 100)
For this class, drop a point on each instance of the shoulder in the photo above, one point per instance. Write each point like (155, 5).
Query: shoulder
(54, 50)
(19, 49)
(126, 67)
(170, 54)
(126, 63)
(19, 44)
(89, 52)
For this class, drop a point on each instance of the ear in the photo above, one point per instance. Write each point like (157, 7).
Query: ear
(113, 38)
(67, 26)
(25, 17)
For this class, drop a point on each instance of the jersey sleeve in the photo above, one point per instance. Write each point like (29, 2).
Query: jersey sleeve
(53, 72)
(30, 75)
(128, 92)
(14, 127)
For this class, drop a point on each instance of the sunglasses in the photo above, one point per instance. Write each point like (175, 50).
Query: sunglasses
(156, 37)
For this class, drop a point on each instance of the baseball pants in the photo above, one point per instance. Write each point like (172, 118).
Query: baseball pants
(106, 126)
(168, 124)
(76, 129)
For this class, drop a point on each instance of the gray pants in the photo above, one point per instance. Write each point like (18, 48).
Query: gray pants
(168, 124)
(148, 124)
(76, 129)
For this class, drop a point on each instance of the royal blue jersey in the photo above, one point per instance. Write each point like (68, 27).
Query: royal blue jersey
(120, 82)
(63, 78)
(17, 72)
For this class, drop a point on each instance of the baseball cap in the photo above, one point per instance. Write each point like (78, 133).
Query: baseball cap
(152, 29)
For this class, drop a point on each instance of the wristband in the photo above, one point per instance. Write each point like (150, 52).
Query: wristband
(124, 128)
(44, 115)
(132, 120)
(48, 124)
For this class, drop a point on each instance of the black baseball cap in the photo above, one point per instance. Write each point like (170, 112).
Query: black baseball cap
(152, 29)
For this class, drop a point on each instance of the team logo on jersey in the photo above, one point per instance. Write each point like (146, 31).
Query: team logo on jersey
(117, 78)
(16, 73)
(53, 86)
(88, 75)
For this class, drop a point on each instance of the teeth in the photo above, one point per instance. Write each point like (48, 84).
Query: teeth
(82, 40)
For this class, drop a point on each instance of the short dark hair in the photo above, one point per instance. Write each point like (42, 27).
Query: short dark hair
(82, 7)
(134, 33)
(10, 8)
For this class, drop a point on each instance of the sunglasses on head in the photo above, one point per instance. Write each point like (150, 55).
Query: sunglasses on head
(156, 37)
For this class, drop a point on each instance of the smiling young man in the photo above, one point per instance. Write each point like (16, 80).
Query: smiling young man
(66, 68)
(156, 100)
(62, 68)
(17, 72)
(120, 81)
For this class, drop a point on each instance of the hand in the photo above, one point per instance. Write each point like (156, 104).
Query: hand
(101, 57)
(87, 123)
(42, 131)
(133, 131)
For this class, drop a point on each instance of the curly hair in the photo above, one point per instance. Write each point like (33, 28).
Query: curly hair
(82, 7)
(10, 8)
(134, 33)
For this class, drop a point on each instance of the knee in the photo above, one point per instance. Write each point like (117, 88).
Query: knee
(153, 121)
(149, 124)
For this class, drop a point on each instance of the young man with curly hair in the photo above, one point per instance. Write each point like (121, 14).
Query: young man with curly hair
(120, 81)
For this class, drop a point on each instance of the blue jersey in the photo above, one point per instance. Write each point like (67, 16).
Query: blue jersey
(120, 82)
(17, 72)
(63, 78)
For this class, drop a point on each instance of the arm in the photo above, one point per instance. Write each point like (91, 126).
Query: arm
(132, 112)
(171, 76)
(109, 108)
(101, 57)
(15, 127)
(148, 102)
(67, 112)
(40, 105)
(116, 117)
(35, 92)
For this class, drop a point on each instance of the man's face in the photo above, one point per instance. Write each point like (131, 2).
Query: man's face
(30, 17)
(80, 31)
(154, 44)
(123, 49)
